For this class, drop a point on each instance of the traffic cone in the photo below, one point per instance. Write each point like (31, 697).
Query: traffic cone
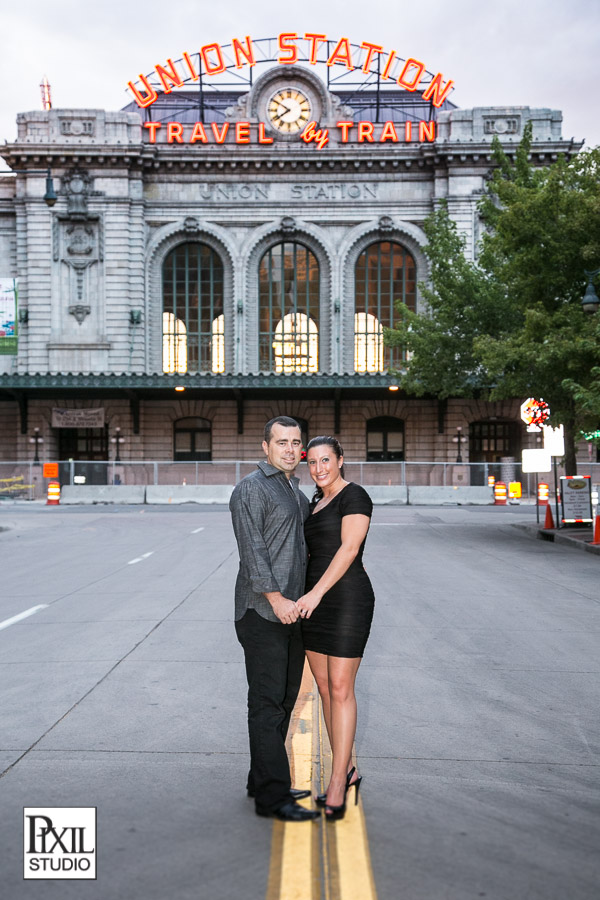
(549, 521)
(596, 539)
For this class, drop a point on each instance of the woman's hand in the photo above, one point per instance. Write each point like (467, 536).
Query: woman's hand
(308, 603)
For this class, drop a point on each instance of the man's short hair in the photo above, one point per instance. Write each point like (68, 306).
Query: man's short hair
(286, 421)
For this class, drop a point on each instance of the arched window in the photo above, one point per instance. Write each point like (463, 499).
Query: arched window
(289, 309)
(384, 275)
(385, 439)
(193, 317)
(192, 439)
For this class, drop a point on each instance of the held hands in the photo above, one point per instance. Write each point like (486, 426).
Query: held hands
(308, 603)
(285, 610)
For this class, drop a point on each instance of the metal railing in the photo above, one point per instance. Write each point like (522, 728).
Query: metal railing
(24, 480)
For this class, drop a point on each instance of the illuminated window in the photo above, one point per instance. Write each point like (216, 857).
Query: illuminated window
(193, 317)
(289, 309)
(384, 276)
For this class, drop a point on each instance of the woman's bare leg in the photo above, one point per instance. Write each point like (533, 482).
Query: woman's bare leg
(341, 676)
(318, 666)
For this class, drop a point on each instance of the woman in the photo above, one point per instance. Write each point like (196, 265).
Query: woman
(337, 608)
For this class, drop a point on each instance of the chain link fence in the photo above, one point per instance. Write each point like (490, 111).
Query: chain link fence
(25, 480)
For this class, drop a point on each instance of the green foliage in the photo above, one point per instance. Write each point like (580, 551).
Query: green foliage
(512, 325)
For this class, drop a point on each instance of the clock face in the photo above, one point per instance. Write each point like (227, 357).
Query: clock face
(289, 110)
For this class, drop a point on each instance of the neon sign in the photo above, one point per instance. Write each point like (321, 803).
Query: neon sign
(213, 62)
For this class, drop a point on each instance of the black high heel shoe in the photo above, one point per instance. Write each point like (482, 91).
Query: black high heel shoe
(321, 799)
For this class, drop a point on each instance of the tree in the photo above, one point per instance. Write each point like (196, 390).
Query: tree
(511, 324)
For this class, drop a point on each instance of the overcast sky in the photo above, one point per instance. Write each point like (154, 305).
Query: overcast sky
(539, 53)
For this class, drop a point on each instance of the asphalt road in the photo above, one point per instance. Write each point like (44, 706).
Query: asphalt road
(478, 705)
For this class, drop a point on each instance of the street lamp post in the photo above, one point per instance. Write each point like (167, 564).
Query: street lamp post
(37, 440)
(458, 440)
(117, 440)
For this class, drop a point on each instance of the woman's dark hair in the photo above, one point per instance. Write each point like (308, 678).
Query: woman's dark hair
(329, 441)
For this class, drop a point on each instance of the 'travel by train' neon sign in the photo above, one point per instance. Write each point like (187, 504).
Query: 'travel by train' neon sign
(213, 63)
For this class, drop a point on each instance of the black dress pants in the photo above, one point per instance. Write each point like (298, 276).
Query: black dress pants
(274, 656)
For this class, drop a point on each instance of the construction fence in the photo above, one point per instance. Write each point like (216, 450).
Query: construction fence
(26, 481)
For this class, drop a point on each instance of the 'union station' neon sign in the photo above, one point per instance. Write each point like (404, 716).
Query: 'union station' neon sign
(212, 61)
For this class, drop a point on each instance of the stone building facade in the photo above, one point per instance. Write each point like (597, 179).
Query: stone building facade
(192, 281)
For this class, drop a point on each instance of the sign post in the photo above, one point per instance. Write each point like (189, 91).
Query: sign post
(536, 461)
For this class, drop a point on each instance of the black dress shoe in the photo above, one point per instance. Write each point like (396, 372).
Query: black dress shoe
(294, 793)
(289, 812)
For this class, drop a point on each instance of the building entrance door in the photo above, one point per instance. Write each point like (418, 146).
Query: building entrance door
(488, 443)
(88, 449)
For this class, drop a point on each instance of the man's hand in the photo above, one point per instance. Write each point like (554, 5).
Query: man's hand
(285, 610)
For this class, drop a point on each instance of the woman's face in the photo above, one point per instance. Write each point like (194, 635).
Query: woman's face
(323, 465)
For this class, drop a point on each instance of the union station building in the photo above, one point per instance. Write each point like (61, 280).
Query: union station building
(230, 246)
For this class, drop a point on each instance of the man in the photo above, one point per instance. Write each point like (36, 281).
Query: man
(268, 512)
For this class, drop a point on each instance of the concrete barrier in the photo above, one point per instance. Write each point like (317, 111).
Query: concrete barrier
(437, 495)
(74, 494)
(188, 493)
(387, 494)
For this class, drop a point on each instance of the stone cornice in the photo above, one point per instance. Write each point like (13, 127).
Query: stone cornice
(229, 158)
(53, 381)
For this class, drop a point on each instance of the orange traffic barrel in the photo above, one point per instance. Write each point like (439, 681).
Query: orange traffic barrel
(491, 480)
(500, 493)
(53, 493)
(543, 494)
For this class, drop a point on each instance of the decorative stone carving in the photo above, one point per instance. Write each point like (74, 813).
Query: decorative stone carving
(79, 312)
(191, 225)
(77, 127)
(288, 225)
(76, 185)
(80, 240)
(386, 224)
(501, 126)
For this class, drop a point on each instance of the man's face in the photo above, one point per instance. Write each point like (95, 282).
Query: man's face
(284, 449)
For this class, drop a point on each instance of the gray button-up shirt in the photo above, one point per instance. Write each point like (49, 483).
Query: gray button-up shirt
(268, 512)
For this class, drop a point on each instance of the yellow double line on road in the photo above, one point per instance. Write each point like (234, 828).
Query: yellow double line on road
(323, 860)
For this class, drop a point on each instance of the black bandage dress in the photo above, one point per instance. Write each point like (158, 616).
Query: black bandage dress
(340, 624)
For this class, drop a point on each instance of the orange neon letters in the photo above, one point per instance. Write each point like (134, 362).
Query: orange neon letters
(365, 132)
(169, 74)
(315, 40)
(386, 72)
(242, 132)
(345, 127)
(174, 132)
(190, 66)
(436, 91)
(341, 53)
(408, 131)
(211, 68)
(262, 138)
(403, 81)
(152, 127)
(247, 53)
(427, 131)
(139, 98)
(220, 135)
(371, 49)
(198, 134)
(388, 133)
(282, 42)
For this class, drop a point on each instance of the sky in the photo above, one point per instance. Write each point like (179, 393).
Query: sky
(538, 53)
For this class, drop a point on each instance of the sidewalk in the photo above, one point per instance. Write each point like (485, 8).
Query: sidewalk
(579, 538)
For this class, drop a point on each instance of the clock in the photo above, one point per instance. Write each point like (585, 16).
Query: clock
(289, 110)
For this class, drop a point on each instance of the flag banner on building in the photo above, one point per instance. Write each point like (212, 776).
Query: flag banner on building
(8, 316)
(78, 418)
